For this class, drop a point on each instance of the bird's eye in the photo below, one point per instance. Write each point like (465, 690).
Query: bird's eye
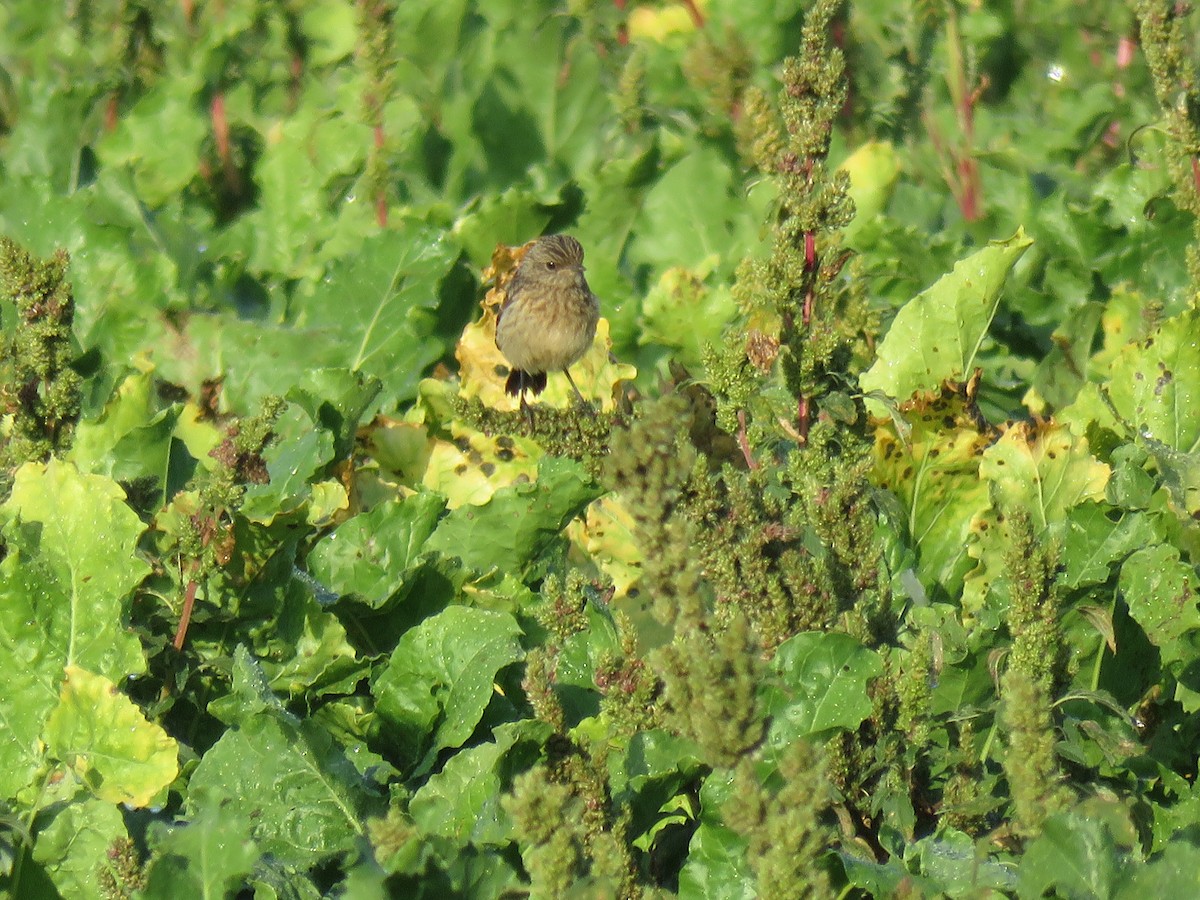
(551, 265)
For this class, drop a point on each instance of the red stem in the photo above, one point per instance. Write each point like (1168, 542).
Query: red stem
(381, 205)
(185, 617)
(694, 12)
(220, 125)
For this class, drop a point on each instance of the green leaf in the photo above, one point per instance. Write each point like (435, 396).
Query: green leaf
(516, 525)
(1075, 855)
(159, 139)
(1161, 591)
(686, 216)
(299, 451)
(938, 334)
(373, 556)
(583, 651)
(293, 216)
(73, 847)
(132, 438)
(209, 856)
(304, 648)
(1155, 384)
(440, 679)
(108, 743)
(1175, 872)
(279, 779)
(683, 313)
(335, 399)
(1180, 473)
(374, 312)
(822, 685)
(934, 471)
(958, 867)
(716, 867)
(88, 545)
(883, 879)
(462, 802)
(1094, 543)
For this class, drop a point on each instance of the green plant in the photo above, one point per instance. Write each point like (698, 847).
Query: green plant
(872, 574)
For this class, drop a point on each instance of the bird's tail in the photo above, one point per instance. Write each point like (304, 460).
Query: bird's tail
(520, 381)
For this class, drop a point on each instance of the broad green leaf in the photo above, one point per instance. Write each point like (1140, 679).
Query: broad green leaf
(374, 313)
(821, 685)
(1043, 468)
(293, 215)
(462, 801)
(371, 555)
(614, 191)
(1175, 872)
(883, 879)
(513, 528)
(281, 780)
(938, 334)
(1180, 473)
(335, 399)
(873, 168)
(1075, 855)
(131, 438)
(108, 743)
(513, 217)
(88, 544)
(1162, 593)
(440, 678)
(209, 856)
(303, 647)
(74, 846)
(582, 652)
(687, 216)
(1063, 371)
(159, 139)
(1155, 384)
(684, 313)
(1094, 543)
(716, 867)
(331, 29)
(952, 863)
(251, 695)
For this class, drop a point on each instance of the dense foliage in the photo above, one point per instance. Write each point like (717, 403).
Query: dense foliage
(871, 572)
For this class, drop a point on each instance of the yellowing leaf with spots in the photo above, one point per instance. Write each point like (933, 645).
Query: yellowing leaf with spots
(608, 534)
(1043, 468)
(469, 469)
(935, 474)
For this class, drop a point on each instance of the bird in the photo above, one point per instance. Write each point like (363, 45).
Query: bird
(548, 318)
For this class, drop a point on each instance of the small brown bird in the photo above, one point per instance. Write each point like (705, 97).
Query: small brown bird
(549, 316)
